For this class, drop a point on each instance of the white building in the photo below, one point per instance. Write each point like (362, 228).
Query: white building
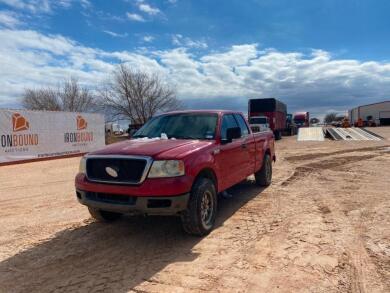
(379, 112)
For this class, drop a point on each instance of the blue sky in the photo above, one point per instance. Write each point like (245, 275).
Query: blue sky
(319, 55)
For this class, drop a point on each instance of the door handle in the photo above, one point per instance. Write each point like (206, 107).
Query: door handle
(244, 146)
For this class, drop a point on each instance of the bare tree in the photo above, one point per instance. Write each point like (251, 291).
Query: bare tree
(314, 120)
(69, 96)
(137, 95)
(41, 99)
(330, 117)
(75, 98)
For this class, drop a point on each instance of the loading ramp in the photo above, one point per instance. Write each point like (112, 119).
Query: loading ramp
(311, 134)
(351, 134)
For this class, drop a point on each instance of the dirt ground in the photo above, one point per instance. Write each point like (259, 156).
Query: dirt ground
(322, 226)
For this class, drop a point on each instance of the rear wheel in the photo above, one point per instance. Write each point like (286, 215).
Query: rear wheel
(103, 216)
(278, 135)
(199, 217)
(264, 175)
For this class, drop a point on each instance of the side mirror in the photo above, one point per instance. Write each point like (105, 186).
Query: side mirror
(232, 133)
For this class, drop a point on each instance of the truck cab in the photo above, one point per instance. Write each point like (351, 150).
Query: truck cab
(259, 123)
(301, 119)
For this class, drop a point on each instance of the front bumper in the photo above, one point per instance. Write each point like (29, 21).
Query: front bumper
(150, 187)
(150, 205)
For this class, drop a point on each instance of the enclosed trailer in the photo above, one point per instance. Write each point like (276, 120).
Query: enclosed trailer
(275, 110)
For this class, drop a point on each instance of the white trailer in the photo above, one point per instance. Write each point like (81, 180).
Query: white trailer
(113, 129)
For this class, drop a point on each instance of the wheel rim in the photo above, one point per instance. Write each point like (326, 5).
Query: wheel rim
(207, 208)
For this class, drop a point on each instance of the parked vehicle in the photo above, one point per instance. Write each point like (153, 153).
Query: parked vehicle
(133, 128)
(275, 110)
(176, 164)
(113, 129)
(259, 123)
(301, 119)
(291, 127)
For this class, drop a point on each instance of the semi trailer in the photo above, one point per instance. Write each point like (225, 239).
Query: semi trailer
(273, 109)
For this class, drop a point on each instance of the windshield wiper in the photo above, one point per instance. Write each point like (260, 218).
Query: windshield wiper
(139, 136)
(182, 137)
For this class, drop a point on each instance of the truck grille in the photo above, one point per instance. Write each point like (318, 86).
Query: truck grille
(120, 170)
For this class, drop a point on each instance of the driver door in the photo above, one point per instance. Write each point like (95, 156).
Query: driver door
(232, 157)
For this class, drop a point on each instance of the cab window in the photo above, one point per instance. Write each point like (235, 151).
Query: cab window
(228, 121)
(242, 124)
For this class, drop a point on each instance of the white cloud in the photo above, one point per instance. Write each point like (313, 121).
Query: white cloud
(64, 3)
(179, 40)
(85, 4)
(148, 39)
(315, 82)
(135, 17)
(114, 34)
(33, 6)
(43, 6)
(176, 39)
(9, 19)
(144, 7)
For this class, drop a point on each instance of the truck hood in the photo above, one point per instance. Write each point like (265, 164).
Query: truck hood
(156, 148)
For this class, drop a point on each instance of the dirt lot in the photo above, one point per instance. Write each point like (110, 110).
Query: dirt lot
(322, 226)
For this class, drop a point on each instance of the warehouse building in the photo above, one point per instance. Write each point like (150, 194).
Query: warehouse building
(377, 112)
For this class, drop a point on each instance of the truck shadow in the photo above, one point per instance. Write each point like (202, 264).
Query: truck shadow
(110, 257)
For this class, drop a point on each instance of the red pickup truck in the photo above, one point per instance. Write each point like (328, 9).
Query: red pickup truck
(176, 164)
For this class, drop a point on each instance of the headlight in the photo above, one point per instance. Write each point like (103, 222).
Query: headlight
(83, 165)
(169, 168)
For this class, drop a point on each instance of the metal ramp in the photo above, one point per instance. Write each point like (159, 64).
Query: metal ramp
(311, 134)
(373, 133)
(351, 134)
(333, 134)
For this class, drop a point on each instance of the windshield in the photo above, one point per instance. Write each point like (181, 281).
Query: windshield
(180, 126)
(258, 120)
(299, 120)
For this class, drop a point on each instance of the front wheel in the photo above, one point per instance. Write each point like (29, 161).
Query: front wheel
(103, 216)
(264, 175)
(199, 217)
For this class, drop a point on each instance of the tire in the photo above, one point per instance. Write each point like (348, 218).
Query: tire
(264, 175)
(103, 216)
(278, 135)
(199, 217)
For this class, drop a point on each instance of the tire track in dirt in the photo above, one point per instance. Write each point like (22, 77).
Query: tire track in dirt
(313, 167)
(356, 260)
(312, 156)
